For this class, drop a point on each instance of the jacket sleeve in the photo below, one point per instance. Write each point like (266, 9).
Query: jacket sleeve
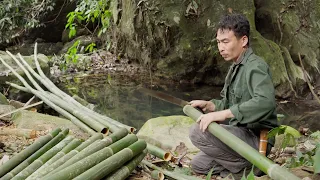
(220, 104)
(260, 86)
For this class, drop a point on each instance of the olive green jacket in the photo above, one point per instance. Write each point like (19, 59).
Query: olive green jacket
(249, 93)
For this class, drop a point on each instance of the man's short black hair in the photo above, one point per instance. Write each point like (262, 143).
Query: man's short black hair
(237, 23)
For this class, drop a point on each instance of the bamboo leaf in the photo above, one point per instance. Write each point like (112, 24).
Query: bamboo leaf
(317, 161)
(209, 174)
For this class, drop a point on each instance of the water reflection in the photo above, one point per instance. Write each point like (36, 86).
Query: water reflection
(119, 98)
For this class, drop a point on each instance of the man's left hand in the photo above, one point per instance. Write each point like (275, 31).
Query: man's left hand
(219, 116)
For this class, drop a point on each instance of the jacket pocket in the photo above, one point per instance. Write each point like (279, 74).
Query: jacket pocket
(236, 95)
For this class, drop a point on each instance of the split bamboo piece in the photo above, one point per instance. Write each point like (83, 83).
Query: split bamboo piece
(114, 162)
(79, 167)
(22, 108)
(28, 133)
(42, 159)
(263, 163)
(24, 154)
(126, 170)
(36, 155)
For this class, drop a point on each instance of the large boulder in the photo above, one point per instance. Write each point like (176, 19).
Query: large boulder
(168, 132)
(177, 38)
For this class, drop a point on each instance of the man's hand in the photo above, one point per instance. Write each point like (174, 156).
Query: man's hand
(205, 106)
(205, 119)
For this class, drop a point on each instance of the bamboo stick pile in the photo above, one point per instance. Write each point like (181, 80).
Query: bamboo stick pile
(59, 156)
(63, 157)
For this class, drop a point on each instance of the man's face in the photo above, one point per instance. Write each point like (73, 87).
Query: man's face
(230, 47)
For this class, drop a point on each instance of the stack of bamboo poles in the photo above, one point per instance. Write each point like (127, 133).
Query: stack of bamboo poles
(83, 117)
(59, 156)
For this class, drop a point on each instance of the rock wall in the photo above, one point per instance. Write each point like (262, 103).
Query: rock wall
(177, 38)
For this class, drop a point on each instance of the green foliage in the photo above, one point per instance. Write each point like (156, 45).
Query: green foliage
(316, 160)
(250, 175)
(208, 177)
(86, 12)
(18, 16)
(290, 134)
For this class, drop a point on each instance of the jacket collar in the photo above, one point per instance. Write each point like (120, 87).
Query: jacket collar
(244, 56)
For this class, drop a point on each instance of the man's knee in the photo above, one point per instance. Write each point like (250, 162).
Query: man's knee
(194, 133)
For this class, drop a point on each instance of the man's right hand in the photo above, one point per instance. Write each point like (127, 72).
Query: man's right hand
(205, 106)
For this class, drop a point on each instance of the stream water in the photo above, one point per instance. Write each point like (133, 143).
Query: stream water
(120, 99)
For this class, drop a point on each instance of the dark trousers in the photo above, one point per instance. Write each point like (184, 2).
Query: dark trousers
(215, 154)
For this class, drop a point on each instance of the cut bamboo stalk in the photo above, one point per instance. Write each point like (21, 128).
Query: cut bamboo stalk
(52, 105)
(22, 108)
(29, 101)
(158, 152)
(51, 168)
(93, 124)
(173, 175)
(36, 155)
(28, 133)
(126, 170)
(242, 148)
(94, 147)
(55, 90)
(17, 159)
(42, 170)
(36, 164)
(97, 126)
(114, 162)
(158, 175)
(79, 167)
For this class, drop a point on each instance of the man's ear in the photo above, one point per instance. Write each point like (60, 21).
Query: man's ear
(245, 41)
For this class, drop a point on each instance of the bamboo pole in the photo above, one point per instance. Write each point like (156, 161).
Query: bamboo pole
(94, 147)
(52, 167)
(36, 164)
(22, 108)
(55, 90)
(41, 171)
(36, 155)
(28, 133)
(173, 175)
(155, 174)
(126, 170)
(242, 148)
(52, 105)
(85, 119)
(17, 159)
(79, 167)
(158, 152)
(114, 162)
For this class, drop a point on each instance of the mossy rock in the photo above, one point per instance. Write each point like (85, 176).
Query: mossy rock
(167, 132)
(178, 38)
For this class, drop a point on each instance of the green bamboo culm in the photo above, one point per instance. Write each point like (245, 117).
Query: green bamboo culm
(81, 166)
(158, 152)
(112, 124)
(17, 159)
(94, 147)
(42, 170)
(84, 118)
(49, 103)
(173, 175)
(263, 163)
(114, 162)
(42, 159)
(155, 174)
(126, 170)
(55, 165)
(36, 155)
